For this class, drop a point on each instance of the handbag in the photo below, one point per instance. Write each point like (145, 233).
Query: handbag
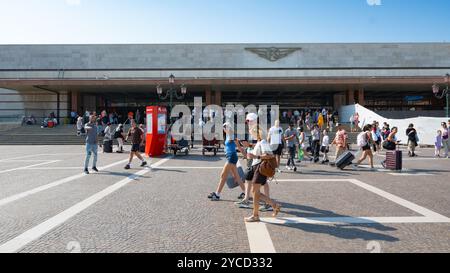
(388, 145)
(301, 154)
(268, 167)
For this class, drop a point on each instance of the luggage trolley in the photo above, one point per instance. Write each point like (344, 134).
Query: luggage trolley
(210, 146)
(181, 146)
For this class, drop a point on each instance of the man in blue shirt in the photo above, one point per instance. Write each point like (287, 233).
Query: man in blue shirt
(91, 143)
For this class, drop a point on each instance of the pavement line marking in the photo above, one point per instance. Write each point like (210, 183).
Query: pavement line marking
(21, 195)
(26, 160)
(353, 220)
(55, 168)
(393, 198)
(30, 166)
(312, 180)
(400, 201)
(19, 242)
(35, 155)
(159, 168)
(411, 173)
(259, 238)
(182, 167)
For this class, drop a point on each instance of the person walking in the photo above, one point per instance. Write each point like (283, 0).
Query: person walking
(364, 140)
(250, 144)
(340, 141)
(390, 143)
(80, 127)
(438, 144)
(290, 136)
(119, 136)
(302, 148)
(137, 138)
(445, 139)
(231, 144)
(91, 144)
(413, 138)
(376, 137)
(315, 148)
(275, 138)
(325, 147)
(107, 138)
(261, 152)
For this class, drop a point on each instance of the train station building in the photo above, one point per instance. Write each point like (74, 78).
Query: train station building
(392, 79)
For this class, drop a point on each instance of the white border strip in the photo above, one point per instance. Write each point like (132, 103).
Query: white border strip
(30, 166)
(21, 195)
(36, 155)
(354, 220)
(398, 200)
(19, 242)
(261, 242)
(259, 238)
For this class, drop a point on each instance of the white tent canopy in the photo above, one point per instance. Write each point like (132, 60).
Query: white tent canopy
(426, 126)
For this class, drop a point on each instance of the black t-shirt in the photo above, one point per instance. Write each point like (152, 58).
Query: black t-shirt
(411, 133)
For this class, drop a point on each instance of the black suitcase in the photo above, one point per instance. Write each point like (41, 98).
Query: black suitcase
(108, 146)
(344, 160)
(394, 160)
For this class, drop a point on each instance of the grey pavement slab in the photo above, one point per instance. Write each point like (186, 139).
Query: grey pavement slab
(166, 210)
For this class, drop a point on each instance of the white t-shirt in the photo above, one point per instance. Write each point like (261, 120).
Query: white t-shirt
(326, 141)
(261, 147)
(276, 133)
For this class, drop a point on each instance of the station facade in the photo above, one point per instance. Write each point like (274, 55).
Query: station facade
(392, 79)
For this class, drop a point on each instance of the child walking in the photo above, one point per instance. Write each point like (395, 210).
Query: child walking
(325, 147)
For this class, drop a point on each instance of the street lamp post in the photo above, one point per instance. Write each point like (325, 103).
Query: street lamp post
(172, 92)
(438, 94)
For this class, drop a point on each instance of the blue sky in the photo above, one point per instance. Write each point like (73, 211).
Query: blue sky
(223, 21)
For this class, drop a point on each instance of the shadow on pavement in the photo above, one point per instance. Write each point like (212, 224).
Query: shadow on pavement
(339, 230)
(206, 158)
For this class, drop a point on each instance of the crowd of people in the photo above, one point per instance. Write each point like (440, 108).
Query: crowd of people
(324, 118)
(303, 140)
(95, 128)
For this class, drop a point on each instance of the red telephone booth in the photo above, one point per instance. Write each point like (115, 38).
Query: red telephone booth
(156, 130)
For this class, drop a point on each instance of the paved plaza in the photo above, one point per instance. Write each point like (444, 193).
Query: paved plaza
(48, 205)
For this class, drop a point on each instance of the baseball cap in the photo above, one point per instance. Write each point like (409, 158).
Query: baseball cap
(226, 125)
(252, 117)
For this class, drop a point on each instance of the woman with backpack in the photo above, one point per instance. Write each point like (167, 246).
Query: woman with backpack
(260, 152)
(413, 140)
(118, 134)
(364, 141)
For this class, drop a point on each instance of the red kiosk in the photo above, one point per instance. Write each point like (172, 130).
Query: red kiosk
(156, 130)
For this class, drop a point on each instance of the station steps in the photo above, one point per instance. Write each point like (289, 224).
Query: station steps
(65, 135)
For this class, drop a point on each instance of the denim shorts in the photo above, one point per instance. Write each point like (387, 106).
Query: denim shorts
(232, 158)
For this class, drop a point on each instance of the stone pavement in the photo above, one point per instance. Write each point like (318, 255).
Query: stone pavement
(48, 205)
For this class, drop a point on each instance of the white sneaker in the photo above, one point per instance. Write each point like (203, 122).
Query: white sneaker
(288, 168)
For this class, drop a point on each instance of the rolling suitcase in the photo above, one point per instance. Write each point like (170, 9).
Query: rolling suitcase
(344, 160)
(394, 160)
(108, 146)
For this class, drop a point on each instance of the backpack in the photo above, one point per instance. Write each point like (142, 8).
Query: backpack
(268, 167)
(362, 139)
(117, 134)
